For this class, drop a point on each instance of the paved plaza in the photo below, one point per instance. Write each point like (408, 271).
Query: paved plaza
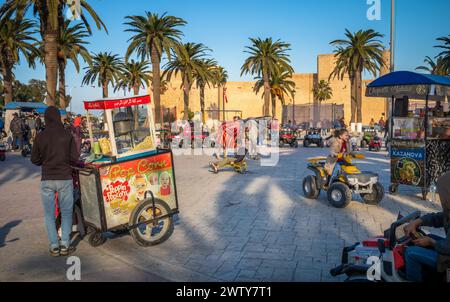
(231, 227)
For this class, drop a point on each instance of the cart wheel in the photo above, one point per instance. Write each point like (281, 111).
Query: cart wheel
(96, 239)
(152, 233)
(376, 196)
(393, 189)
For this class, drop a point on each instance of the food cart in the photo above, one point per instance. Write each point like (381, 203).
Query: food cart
(420, 138)
(127, 183)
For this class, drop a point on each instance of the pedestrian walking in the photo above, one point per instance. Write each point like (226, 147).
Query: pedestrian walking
(54, 150)
(17, 128)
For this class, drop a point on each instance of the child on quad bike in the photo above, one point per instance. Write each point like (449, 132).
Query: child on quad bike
(238, 158)
(430, 252)
(340, 144)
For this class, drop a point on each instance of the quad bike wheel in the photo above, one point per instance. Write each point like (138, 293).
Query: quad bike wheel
(376, 196)
(152, 233)
(393, 189)
(339, 195)
(294, 144)
(309, 186)
(281, 144)
(306, 144)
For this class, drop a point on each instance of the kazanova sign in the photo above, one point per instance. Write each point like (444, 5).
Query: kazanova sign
(417, 154)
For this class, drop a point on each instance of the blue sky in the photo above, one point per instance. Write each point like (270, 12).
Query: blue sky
(225, 26)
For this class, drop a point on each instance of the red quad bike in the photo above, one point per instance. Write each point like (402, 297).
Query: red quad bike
(375, 144)
(389, 249)
(288, 136)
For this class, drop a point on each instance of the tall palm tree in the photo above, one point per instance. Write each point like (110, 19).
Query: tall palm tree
(106, 68)
(51, 17)
(434, 67)
(15, 39)
(188, 62)
(70, 45)
(153, 36)
(360, 51)
(134, 76)
(445, 54)
(266, 57)
(322, 92)
(281, 85)
(220, 81)
(203, 79)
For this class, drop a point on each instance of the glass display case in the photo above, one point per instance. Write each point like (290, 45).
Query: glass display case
(408, 128)
(129, 128)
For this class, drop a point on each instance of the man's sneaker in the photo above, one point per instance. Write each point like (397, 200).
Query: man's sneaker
(65, 251)
(54, 251)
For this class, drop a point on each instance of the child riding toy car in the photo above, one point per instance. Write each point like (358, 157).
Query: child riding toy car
(382, 258)
(345, 180)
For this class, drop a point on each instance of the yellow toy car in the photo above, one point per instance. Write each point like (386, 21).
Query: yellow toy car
(345, 180)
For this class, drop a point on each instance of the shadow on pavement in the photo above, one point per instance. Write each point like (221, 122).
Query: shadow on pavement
(4, 231)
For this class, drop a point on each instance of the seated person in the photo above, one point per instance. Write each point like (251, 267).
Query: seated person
(238, 157)
(430, 251)
(340, 144)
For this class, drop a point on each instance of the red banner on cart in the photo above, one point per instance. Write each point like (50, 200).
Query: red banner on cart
(117, 103)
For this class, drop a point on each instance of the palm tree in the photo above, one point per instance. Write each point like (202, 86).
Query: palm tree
(154, 35)
(105, 69)
(360, 51)
(188, 62)
(220, 80)
(434, 67)
(15, 39)
(281, 85)
(70, 45)
(203, 79)
(445, 54)
(134, 76)
(322, 92)
(266, 58)
(51, 18)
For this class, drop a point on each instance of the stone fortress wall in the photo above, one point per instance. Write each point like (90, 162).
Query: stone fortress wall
(241, 95)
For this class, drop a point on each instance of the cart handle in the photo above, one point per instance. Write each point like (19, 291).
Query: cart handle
(84, 171)
(153, 201)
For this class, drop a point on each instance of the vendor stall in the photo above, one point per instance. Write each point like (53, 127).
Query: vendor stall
(419, 138)
(127, 183)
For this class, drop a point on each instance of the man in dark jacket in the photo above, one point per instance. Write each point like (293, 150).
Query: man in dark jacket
(17, 128)
(54, 150)
(431, 251)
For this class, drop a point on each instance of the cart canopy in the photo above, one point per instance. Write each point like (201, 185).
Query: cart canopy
(30, 106)
(113, 103)
(414, 85)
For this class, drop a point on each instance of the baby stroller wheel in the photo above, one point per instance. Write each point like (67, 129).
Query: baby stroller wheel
(96, 239)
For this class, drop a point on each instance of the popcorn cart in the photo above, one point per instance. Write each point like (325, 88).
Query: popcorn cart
(127, 184)
(419, 135)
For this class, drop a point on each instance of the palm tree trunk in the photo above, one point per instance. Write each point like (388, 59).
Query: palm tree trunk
(218, 102)
(156, 83)
(105, 89)
(266, 93)
(7, 79)
(202, 103)
(186, 89)
(62, 84)
(358, 94)
(274, 106)
(136, 109)
(51, 62)
(353, 99)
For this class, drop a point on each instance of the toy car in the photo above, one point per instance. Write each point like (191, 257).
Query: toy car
(343, 183)
(388, 249)
(369, 133)
(313, 137)
(289, 137)
(375, 144)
